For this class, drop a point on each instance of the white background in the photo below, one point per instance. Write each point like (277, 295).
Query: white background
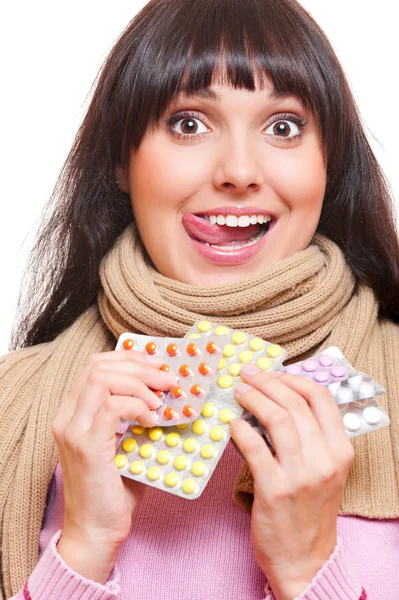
(50, 54)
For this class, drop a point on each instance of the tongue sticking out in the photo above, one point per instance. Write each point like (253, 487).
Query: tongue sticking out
(204, 231)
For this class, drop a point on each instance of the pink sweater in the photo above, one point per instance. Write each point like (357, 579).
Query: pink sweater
(200, 549)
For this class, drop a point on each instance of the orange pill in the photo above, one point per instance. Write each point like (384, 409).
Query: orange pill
(169, 412)
(172, 349)
(128, 344)
(203, 368)
(176, 392)
(188, 410)
(151, 347)
(192, 349)
(211, 347)
(159, 393)
(184, 370)
(196, 389)
(165, 368)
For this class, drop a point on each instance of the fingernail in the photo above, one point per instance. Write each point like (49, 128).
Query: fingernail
(155, 360)
(169, 376)
(250, 369)
(243, 388)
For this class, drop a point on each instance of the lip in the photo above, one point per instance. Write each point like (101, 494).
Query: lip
(231, 257)
(237, 211)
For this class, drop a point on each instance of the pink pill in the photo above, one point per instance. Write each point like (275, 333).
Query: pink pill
(321, 376)
(309, 365)
(293, 369)
(339, 372)
(326, 360)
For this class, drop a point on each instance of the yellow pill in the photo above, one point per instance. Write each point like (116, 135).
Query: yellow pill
(207, 451)
(146, 450)
(245, 356)
(181, 462)
(129, 445)
(208, 410)
(155, 434)
(189, 486)
(198, 427)
(190, 445)
(154, 473)
(120, 460)
(264, 364)
(136, 467)
(226, 415)
(274, 350)
(205, 326)
(194, 335)
(221, 330)
(216, 433)
(234, 369)
(198, 468)
(225, 382)
(172, 439)
(256, 344)
(221, 364)
(238, 338)
(171, 479)
(163, 457)
(137, 429)
(229, 350)
(183, 425)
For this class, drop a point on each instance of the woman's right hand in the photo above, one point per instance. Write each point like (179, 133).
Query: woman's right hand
(99, 503)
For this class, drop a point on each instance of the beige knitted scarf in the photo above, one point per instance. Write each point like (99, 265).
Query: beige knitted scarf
(306, 302)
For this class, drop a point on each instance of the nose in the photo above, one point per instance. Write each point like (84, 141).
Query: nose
(238, 168)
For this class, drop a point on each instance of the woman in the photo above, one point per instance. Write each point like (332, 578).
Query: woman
(207, 109)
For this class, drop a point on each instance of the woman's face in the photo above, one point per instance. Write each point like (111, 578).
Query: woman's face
(239, 158)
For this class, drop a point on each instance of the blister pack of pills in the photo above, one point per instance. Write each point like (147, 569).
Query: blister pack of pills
(363, 416)
(195, 364)
(178, 459)
(329, 366)
(358, 387)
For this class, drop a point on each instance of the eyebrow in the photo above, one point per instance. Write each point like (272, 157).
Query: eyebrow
(209, 94)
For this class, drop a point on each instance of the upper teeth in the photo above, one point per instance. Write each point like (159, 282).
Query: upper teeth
(233, 221)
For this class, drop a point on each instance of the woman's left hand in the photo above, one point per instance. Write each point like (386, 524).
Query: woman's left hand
(297, 492)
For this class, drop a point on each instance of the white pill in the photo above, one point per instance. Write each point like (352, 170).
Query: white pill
(351, 422)
(371, 415)
(345, 395)
(366, 390)
(355, 382)
(334, 388)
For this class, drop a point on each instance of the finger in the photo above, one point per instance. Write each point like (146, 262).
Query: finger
(254, 450)
(115, 408)
(276, 420)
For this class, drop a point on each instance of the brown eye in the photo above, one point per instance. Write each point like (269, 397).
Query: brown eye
(282, 129)
(188, 126)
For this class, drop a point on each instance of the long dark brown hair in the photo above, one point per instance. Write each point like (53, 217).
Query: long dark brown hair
(172, 43)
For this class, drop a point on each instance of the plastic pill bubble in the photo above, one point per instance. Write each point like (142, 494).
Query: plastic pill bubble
(204, 369)
(205, 326)
(321, 376)
(192, 349)
(176, 392)
(238, 338)
(136, 467)
(345, 395)
(190, 445)
(326, 360)
(180, 463)
(245, 356)
(164, 457)
(189, 486)
(371, 415)
(338, 371)
(198, 427)
(171, 479)
(128, 344)
(184, 370)
(172, 349)
(293, 369)
(172, 439)
(137, 429)
(216, 433)
(208, 410)
(169, 412)
(256, 344)
(207, 451)
(274, 351)
(264, 364)
(366, 390)
(309, 366)
(129, 445)
(225, 382)
(211, 347)
(198, 469)
(165, 368)
(352, 422)
(146, 450)
(221, 364)
(188, 411)
(154, 473)
(355, 382)
(229, 351)
(151, 348)
(120, 460)
(221, 330)
(234, 369)
(226, 415)
(155, 434)
(195, 389)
